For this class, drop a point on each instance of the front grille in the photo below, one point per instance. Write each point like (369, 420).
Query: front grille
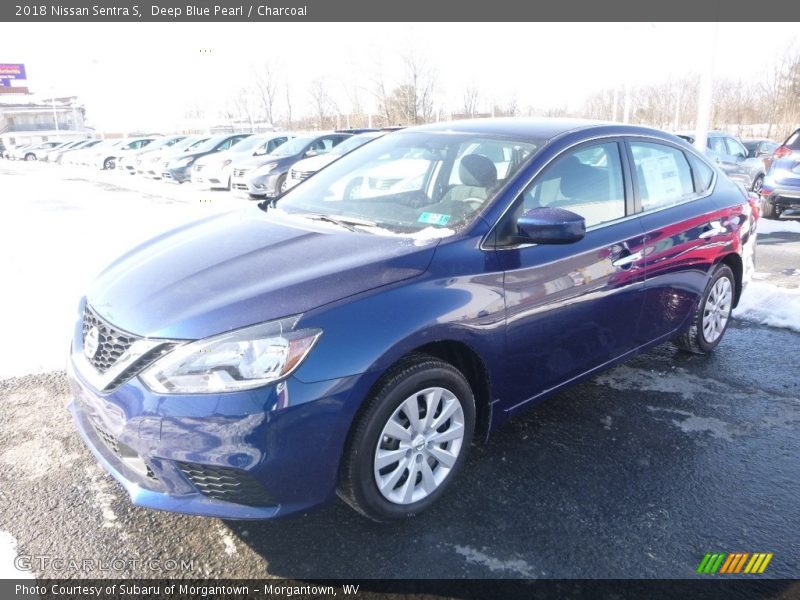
(240, 186)
(112, 342)
(240, 172)
(226, 483)
(301, 174)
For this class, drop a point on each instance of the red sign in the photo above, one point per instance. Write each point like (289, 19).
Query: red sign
(12, 71)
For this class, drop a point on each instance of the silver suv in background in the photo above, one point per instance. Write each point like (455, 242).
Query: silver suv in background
(733, 158)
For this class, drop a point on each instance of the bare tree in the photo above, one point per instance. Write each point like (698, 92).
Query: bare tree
(322, 102)
(266, 81)
(244, 106)
(418, 87)
(471, 99)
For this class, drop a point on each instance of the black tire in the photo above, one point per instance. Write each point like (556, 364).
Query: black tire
(30, 156)
(108, 164)
(357, 486)
(757, 182)
(694, 339)
(768, 210)
(279, 185)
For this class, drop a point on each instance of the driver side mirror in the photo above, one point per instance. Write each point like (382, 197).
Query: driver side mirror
(551, 225)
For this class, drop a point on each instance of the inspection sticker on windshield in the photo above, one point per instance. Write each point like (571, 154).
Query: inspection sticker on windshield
(433, 218)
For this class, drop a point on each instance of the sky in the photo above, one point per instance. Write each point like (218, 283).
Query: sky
(145, 75)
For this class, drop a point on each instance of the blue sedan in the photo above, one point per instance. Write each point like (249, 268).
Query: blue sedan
(355, 335)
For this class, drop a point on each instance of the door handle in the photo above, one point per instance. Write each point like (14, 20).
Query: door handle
(627, 260)
(714, 228)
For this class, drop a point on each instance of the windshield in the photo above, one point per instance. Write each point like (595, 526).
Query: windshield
(352, 143)
(210, 143)
(411, 182)
(294, 146)
(250, 143)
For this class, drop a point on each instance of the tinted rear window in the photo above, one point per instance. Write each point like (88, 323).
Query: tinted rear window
(794, 141)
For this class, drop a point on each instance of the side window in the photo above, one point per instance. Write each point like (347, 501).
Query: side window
(717, 145)
(588, 181)
(735, 148)
(663, 174)
(702, 172)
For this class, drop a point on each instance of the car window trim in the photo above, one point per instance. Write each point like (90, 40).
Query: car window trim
(489, 240)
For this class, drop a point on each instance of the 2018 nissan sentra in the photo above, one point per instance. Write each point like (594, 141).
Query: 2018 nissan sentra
(214, 171)
(260, 362)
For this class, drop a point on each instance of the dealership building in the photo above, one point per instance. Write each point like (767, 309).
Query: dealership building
(28, 119)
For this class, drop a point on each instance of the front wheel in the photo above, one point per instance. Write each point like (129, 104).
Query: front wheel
(713, 314)
(410, 442)
(768, 210)
(757, 184)
(30, 156)
(280, 185)
(108, 164)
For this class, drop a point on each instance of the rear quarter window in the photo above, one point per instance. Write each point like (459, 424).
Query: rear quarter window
(663, 174)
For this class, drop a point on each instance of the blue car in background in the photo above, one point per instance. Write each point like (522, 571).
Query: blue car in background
(355, 335)
(780, 193)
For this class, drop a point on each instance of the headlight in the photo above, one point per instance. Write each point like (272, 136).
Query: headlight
(183, 162)
(264, 169)
(239, 360)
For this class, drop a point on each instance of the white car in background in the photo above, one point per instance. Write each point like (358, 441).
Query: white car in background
(127, 161)
(34, 151)
(106, 157)
(305, 168)
(214, 170)
(152, 162)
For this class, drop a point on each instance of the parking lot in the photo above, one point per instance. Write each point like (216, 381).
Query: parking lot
(637, 473)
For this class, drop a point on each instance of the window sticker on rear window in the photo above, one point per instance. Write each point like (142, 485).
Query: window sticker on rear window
(662, 177)
(433, 218)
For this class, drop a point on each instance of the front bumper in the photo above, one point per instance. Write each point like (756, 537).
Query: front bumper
(177, 175)
(244, 455)
(210, 177)
(262, 186)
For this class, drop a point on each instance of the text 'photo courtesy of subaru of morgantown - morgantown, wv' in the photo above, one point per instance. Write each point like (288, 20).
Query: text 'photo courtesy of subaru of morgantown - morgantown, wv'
(379, 310)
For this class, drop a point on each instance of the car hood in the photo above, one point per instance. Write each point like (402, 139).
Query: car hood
(246, 267)
(251, 162)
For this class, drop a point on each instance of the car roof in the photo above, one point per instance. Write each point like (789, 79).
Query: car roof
(533, 128)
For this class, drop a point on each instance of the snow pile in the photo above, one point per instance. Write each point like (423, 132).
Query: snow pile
(765, 226)
(8, 553)
(771, 305)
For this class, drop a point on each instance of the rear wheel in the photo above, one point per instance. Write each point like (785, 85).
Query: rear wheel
(713, 314)
(410, 442)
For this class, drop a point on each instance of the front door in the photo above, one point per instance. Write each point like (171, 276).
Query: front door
(571, 308)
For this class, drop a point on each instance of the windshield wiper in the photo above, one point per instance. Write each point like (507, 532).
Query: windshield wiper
(346, 222)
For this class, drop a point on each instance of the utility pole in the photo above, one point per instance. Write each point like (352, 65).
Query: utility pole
(704, 100)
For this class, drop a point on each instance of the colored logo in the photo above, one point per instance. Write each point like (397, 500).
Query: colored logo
(734, 563)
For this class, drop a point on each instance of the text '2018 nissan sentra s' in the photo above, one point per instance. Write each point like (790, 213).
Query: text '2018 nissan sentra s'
(354, 336)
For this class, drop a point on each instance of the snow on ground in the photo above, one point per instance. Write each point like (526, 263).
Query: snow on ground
(57, 231)
(782, 226)
(8, 553)
(768, 304)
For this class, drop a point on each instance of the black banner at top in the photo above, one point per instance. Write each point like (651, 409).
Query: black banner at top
(400, 11)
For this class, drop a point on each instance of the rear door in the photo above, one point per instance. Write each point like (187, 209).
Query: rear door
(685, 229)
(571, 308)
